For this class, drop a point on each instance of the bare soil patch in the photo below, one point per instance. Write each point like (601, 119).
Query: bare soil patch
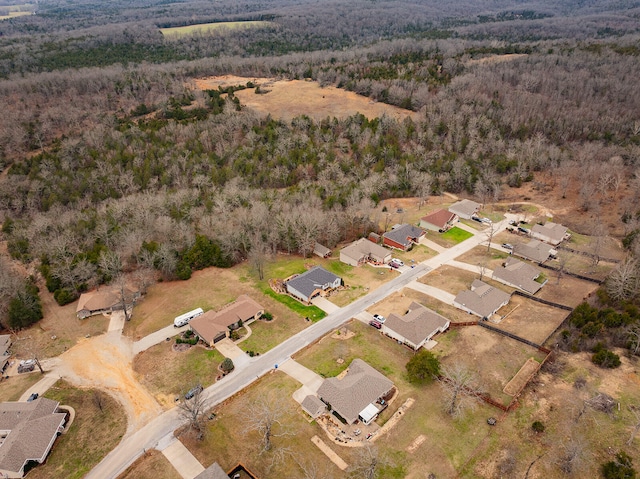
(287, 99)
(569, 291)
(522, 377)
(151, 465)
(531, 320)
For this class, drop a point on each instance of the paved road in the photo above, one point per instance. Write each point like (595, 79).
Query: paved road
(163, 426)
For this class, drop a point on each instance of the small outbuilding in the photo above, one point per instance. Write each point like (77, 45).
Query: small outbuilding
(322, 251)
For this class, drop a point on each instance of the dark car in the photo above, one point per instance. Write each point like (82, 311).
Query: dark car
(33, 397)
(375, 324)
(193, 391)
(507, 246)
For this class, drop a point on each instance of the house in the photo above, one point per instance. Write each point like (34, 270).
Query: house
(321, 251)
(416, 327)
(214, 326)
(311, 283)
(402, 236)
(5, 344)
(482, 299)
(214, 471)
(313, 406)
(27, 433)
(551, 233)
(518, 274)
(354, 397)
(363, 251)
(104, 301)
(439, 220)
(465, 209)
(534, 250)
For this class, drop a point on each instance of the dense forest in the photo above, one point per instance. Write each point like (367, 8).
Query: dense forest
(110, 157)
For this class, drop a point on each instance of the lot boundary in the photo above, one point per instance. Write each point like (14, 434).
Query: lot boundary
(513, 336)
(543, 301)
(590, 255)
(575, 275)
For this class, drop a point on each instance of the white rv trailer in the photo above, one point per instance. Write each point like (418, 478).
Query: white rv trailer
(186, 317)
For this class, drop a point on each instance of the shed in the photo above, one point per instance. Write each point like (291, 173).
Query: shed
(321, 250)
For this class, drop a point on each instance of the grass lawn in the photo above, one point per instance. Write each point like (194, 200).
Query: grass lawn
(93, 434)
(151, 465)
(453, 280)
(167, 373)
(359, 281)
(177, 32)
(478, 255)
(450, 238)
(11, 389)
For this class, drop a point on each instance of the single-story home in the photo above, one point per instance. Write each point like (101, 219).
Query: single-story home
(362, 251)
(311, 283)
(402, 236)
(214, 471)
(482, 299)
(465, 209)
(27, 433)
(356, 395)
(5, 344)
(104, 301)
(214, 326)
(534, 250)
(439, 220)
(416, 327)
(321, 250)
(518, 274)
(551, 233)
(313, 406)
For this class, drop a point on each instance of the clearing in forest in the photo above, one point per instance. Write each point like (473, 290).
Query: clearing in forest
(179, 32)
(287, 99)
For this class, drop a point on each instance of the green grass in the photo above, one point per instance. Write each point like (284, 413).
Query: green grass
(541, 278)
(312, 312)
(210, 27)
(456, 235)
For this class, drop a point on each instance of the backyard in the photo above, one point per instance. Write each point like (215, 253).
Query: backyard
(151, 465)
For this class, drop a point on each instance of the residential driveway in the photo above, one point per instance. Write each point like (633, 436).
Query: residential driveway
(468, 228)
(116, 323)
(433, 292)
(228, 349)
(474, 268)
(324, 304)
(182, 460)
(41, 386)
(431, 245)
(156, 338)
(302, 374)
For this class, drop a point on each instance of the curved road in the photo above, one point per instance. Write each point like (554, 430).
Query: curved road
(158, 430)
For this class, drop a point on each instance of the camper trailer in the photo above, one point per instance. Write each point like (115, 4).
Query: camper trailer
(186, 317)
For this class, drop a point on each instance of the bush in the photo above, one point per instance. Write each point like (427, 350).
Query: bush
(227, 365)
(537, 426)
(64, 296)
(606, 359)
(621, 468)
(183, 271)
(423, 367)
(193, 341)
(25, 307)
(267, 316)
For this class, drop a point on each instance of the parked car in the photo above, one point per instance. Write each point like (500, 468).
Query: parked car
(476, 218)
(33, 397)
(513, 222)
(486, 220)
(507, 246)
(375, 324)
(524, 230)
(379, 318)
(396, 263)
(193, 391)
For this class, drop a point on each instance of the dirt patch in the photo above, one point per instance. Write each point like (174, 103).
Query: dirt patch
(531, 320)
(522, 377)
(416, 443)
(151, 465)
(569, 291)
(180, 348)
(343, 334)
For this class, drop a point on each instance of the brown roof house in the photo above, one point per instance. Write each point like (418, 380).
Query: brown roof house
(362, 251)
(27, 433)
(313, 406)
(5, 344)
(416, 327)
(534, 250)
(466, 209)
(551, 233)
(214, 326)
(104, 301)
(439, 220)
(518, 274)
(402, 236)
(311, 283)
(482, 299)
(356, 396)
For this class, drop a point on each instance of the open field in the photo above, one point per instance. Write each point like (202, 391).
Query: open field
(609, 248)
(530, 320)
(167, 373)
(577, 263)
(95, 431)
(13, 15)
(204, 28)
(11, 389)
(151, 465)
(479, 256)
(287, 99)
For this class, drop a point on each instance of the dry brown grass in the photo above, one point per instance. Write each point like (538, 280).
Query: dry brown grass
(453, 280)
(531, 320)
(479, 256)
(151, 465)
(11, 389)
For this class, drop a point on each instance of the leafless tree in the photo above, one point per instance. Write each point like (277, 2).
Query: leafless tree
(570, 456)
(311, 469)
(193, 411)
(267, 416)
(98, 399)
(633, 331)
(623, 282)
(258, 255)
(367, 463)
(461, 387)
(482, 267)
(490, 232)
(125, 295)
(635, 410)
(110, 263)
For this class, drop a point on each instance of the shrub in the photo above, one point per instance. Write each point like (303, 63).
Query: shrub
(423, 367)
(193, 341)
(606, 359)
(64, 296)
(25, 307)
(227, 365)
(183, 271)
(537, 426)
(621, 468)
(267, 316)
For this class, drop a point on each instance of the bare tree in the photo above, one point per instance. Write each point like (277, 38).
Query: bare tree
(266, 415)
(570, 456)
(635, 410)
(367, 463)
(125, 295)
(311, 469)
(258, 255)
(634, 337)
(461, 387)
(193, 410)
(490, 232)
(623, 282)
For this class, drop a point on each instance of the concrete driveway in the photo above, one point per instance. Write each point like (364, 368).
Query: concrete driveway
(41, 386)
(228, 349)
(302, 374)
(433, 292)
(324, 304)
(182, 460)
(158, 337)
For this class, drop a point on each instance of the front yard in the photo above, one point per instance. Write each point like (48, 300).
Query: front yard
(449, 238)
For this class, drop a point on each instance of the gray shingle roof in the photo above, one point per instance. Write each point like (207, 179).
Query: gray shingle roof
(482, 299)
(518, 274)
(534, 250)
(321, 250)
(311, 280)
(418, 324)
(403, 232)
(361, 386)
(365, 248)
(33, 427)
(553, 231)
(214, 471)
(313, 406)
(464, 207)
